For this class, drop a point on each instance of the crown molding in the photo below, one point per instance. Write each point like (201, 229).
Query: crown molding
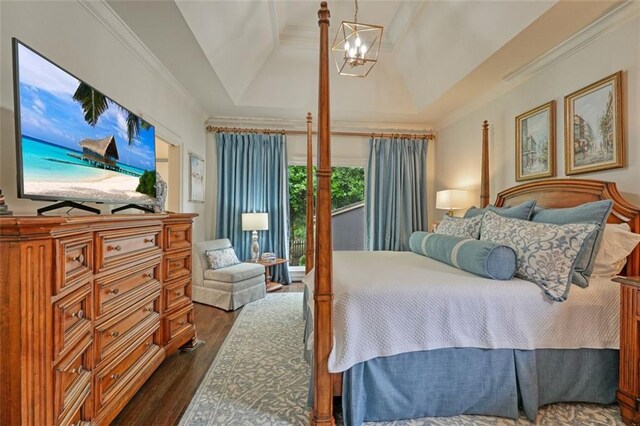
(629, 9)
(621, 14)
(121, 31)
(301, 124)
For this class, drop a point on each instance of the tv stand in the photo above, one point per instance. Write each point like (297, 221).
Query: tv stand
(133, 206)
(71, 204)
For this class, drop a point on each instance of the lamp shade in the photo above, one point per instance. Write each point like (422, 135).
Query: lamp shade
(255, 221)
(451, 199)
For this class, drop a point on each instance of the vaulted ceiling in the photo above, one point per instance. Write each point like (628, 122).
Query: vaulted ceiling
(260, 58)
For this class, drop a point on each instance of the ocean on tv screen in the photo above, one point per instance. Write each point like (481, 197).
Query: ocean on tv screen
(76, 142)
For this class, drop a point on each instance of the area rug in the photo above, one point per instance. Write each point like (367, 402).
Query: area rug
(260, 377)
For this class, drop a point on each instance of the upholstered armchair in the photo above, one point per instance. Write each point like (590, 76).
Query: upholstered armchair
(228, 287)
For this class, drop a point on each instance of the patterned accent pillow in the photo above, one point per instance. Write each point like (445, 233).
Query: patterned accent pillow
(459, 227)
(546, 253)
(221, 258)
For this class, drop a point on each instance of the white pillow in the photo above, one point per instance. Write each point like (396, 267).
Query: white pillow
(617, 243)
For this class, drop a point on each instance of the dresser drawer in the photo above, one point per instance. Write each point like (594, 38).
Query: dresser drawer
(72, 319)
(77, 418)
(118, 290)
(176, 265)
(113, 380)
(177, 324)
(177, 236)
(177, 294)
(123, 246)
(74, 261)
(112, 335)
(72, 381)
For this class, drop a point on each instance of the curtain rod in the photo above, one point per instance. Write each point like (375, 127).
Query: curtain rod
(214, 129)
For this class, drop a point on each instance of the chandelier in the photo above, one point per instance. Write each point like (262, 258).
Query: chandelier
(356, 47)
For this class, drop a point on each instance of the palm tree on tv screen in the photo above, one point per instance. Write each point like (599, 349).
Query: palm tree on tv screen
(94, 104)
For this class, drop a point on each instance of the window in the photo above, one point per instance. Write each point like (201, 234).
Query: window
(347, 203)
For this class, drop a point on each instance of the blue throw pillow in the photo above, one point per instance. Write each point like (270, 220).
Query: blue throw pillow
(521, 211)
(595, 212)
(481, 258)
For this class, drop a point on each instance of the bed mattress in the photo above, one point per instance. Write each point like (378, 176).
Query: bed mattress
(388, 303)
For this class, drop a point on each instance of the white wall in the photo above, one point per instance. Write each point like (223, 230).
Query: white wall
(458, 145)
(69, 35)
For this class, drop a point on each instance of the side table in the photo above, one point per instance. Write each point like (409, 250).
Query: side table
(268, 264)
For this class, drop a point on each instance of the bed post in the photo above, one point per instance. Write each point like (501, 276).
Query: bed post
(322, 412)
(484, 182)
(310, 225)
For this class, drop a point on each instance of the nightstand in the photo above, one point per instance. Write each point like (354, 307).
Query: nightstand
(268, 264)
(628, 394)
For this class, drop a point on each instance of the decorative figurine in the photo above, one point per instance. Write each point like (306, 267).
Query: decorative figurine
(4, 209)
(161, 194)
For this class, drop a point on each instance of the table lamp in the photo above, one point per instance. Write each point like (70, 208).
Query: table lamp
(451, 199)
(255, 222)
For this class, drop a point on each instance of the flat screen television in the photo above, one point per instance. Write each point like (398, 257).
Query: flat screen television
(73, 142)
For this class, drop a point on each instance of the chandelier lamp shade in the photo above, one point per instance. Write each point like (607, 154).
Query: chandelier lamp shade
(356, 47)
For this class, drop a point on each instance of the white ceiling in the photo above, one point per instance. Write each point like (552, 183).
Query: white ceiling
(259, 58)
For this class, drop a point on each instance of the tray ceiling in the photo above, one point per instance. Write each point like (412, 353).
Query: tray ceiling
(260, 58)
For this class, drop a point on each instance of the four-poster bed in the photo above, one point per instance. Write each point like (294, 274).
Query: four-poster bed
(554, 193)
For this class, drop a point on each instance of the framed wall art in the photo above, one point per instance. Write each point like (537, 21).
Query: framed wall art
(196, 181)
(594, 137)
(536, 143)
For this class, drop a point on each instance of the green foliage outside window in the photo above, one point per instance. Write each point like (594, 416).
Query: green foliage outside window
(347, 187)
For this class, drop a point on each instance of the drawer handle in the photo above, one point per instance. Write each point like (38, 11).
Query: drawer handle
(78, 370)
(147, 344)
(114, 333)
(114, 291)
(177, 293)
(116, 248)
(149, 240)
(148, 309)
(147, 275)
(115, 376)
(176, 264)
(79, 314)
(182, 322)
(78, 258)
(177, 235)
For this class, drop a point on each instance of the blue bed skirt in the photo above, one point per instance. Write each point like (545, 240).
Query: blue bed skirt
(496, 382)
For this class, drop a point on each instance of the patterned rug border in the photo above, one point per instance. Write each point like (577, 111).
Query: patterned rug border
(270, 409)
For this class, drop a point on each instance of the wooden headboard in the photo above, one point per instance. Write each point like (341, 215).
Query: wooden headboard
(560, 193)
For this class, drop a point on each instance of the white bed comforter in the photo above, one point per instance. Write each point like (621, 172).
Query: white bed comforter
(386, 303)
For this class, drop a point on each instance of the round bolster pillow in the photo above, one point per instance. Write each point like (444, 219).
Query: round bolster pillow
(483, 258)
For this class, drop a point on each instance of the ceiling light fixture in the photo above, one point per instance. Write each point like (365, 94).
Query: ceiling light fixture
(356, 47)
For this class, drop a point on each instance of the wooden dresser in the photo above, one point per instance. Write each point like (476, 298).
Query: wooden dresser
(89, 308)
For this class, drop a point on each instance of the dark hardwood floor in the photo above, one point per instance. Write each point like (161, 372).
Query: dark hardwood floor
(166, 395)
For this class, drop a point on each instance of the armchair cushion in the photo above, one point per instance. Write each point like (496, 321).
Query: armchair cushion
(235, 273)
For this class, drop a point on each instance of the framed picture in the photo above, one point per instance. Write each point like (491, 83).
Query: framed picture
(536, 143)
(196, 172)
(593, 127)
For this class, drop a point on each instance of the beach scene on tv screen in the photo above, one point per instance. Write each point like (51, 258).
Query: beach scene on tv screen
(77, 143)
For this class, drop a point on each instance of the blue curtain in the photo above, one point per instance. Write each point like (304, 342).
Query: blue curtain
(253, 177)
(395, 198)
